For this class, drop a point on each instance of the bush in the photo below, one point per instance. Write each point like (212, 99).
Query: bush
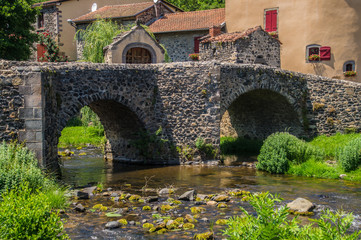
(25, 215)
(279, 149)
(239, 146)
(350, 156)
(274, 223)
(206, 149)
(18, 165)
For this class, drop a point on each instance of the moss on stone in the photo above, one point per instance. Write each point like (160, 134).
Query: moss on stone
(204, 236)
(148, 225)
(187, 226)
(147, 208)
(195, 210)
(221, 222)
(123, 222)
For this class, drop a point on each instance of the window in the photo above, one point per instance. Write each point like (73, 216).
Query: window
(138, 55)
(349, 66)
(271, 16)
(316, 53)
(40, 20)
(196, 44)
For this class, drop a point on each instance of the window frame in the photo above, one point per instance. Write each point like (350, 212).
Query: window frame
(40, 21)
(265, 18)
(349, 62)
(308, 47)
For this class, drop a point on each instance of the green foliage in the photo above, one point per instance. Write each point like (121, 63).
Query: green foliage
(193, 5)
(80, 136)
(331, 145)
(350, 156)
(28, 215)
(150, 145)
(19, 165)
(273, 222)
(186, 152)
(16, 29)
(239, 146)
(52, 53)
(90, 118)
(270, 222)
(279, 149)
(96, 36)
(206, 149)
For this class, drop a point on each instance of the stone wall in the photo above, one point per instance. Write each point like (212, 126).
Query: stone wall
(179, 45)
(257, 48)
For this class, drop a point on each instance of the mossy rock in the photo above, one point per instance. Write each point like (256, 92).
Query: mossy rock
(221, 198)
(221, 222)
(153, 229)
(134, 198)
(190, 218)
(166, 208)
(162, 231)
(123, 222)
(148, 225)
(196, 210)
(172, 224)
(188, 226)
(222, 205)
(147, 208)
(98, 206)
(204, 236)
(180, 220)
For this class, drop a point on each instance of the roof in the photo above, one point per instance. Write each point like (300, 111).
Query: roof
(115, 11)
(51, 2)
(187, 21)
(231, 37)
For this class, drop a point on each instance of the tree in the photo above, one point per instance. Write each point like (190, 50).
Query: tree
(16, 29)
(193, 5)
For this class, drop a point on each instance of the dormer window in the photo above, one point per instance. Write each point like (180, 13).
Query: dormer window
(40, 21)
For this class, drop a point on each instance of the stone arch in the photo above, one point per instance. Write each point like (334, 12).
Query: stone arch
(257, 113)
(139, 45)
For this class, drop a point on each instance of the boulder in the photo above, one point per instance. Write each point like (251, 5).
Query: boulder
(211, 203)
(221, 198)
(79, 208)
(112, 225)
(188, 196)
(165, 191)
(86, 193)
(301, 205)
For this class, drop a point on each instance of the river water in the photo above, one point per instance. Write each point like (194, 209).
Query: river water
(90, 170)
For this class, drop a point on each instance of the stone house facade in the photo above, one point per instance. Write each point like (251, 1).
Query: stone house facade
(126, 14)
(134, 46)
(55, 16)
(181, 32)
(253, 46)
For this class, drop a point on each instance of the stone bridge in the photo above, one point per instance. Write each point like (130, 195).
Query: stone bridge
(188, 100)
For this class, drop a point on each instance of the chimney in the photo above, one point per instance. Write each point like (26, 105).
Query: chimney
(215, 31)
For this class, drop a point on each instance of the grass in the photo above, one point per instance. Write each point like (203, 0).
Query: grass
(331, 145)
(81, 136)
(240, 146)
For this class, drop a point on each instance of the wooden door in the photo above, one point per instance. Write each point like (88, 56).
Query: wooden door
(138, 55)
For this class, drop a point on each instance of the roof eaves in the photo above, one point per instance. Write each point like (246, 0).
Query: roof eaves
(94, 19)
(173, 5)
(187, 30)
(45, 4)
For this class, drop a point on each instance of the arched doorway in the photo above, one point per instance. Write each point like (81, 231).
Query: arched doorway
(138, 55)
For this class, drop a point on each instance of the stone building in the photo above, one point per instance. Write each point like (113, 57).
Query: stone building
(328, 29)
(134, 46)
(55, 16)
(180, 32)
(253, 46)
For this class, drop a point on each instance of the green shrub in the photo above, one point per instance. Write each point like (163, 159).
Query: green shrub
(350, 156)
(88, 117)
(28, 215)
(206, 148)
(240, 146)
(279, 149)
(314, 168)
(273, 223)
(18, 165)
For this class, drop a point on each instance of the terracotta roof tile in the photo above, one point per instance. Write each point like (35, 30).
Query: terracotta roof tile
(115, 11)
(231, 37)
(185, 21)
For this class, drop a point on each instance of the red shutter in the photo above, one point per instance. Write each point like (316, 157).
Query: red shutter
(271, 21)
(40, 52)
(325, 53)
(196, 44)
(268, 21)
(274, 20)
